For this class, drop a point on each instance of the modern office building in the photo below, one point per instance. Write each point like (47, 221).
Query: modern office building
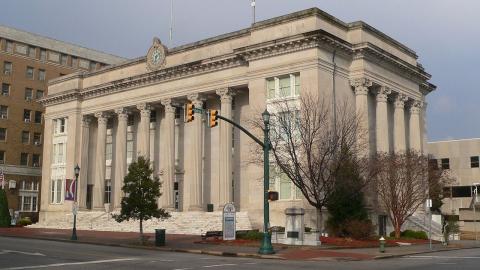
(103, 119)
(461, 159)
(27, 62)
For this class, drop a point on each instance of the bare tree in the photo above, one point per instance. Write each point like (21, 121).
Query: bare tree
(403, 183)
(309, 147)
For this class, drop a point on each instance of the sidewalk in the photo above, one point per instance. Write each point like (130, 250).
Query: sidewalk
(186, 243)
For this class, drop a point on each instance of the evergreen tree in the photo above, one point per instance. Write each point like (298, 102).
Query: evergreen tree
(141, 194)
(346, 203)
(4, 213)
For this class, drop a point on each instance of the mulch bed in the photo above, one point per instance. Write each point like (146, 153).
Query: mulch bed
(367, 243)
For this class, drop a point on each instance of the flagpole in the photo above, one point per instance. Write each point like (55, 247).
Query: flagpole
(253, 11)
(171, 24)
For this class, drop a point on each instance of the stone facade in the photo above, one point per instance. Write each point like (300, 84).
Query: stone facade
(198, 165)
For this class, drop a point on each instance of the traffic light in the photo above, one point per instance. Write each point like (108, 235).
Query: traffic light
(190, 112)
(213, 115)
(272, 195)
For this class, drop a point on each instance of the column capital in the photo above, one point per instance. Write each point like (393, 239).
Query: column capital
(122, 113)
(226, 94)
(382, 93)
(360, 85)
(416, 106)
(86, 120)
(197, 99)
(399, 101)
(102, 117)
(145, 109)
(168, 104)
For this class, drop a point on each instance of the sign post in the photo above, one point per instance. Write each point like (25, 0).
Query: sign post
(429, 205)
(229, 222)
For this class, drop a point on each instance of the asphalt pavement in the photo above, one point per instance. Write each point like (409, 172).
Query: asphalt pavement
(17, 253)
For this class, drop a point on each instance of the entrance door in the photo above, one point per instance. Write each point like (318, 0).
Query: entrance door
(89, 196)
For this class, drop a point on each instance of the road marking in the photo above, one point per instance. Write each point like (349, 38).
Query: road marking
(446, 263)
(182, 268)
(4, 251)
(218, 265)
(441, 257)
(67, 264)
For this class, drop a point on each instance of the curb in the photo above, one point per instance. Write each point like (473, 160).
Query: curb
(192, 251)
(420, 252)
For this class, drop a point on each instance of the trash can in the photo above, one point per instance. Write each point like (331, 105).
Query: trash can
(159, 237)
(210, 207)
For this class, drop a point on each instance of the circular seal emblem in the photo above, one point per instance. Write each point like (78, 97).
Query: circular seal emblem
(156, 55)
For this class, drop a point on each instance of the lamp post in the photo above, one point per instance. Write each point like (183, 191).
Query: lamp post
(74, 208)
(266, 247)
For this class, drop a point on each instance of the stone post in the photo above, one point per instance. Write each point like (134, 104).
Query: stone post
(168, 161)
(99, 186)
(399, 144)
(196, 165)
(382, 120)
(120, 156)
(225, 156)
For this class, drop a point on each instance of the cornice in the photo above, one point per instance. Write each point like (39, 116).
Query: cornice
(66, 96)
(370, 51)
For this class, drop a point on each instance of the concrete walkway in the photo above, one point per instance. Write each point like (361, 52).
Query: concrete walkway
(189, 243)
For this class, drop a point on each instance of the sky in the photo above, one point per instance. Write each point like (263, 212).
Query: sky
(444, 33)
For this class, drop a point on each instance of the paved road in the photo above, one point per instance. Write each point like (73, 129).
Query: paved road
(19, 254)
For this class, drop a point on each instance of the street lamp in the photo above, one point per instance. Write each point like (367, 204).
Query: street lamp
(74, 208)
(266, 247)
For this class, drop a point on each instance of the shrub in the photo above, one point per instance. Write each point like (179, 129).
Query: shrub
(308, 229)
(4, 213)
(359, 229)
(251, 235)
(412, 234)
(277, 229)
(24, 222)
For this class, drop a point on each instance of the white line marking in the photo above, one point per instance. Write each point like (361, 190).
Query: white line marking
(21, 252)
(218, 265)
(446, 263)
(442, 257)
(251, 263)
(66, 264)
(182, 268)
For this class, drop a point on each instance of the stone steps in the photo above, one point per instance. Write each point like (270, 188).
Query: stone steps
(179, 222)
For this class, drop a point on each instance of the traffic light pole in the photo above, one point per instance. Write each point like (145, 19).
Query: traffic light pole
(266, 246)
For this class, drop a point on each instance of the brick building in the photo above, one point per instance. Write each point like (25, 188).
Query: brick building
(27, 62)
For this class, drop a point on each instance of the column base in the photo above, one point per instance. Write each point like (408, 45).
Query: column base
(197, 208)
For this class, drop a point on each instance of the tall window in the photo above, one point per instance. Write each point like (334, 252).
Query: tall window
(56, 191)
(280, 182)
(31, 52)
(74, 62)
(5, 89)
(24, 159)
(108, 191)
(25, 137)
(29, 73)
(41, 75)
(37, 138)
(445, 163)
(2, 157)
(474, 162)
(9, 47)
(39, 94)
(27, 116)
(63, 59)
(43, 54)
(93, 65)
(285, 86)
(7, 68)
(60, 126)
(28, 94)
(3, 134)
(36, 160)
(38, 117)
(3, 112)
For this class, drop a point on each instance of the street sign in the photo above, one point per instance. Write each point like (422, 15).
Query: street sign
(429, 202)
(70, 188)
(229, 222)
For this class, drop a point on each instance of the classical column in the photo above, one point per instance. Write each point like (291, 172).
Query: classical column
(360, 87)
(399, 144)
(225, 156)
(168, 160)
(120, 156)
(382, 120)
(196, 135)
(144, 138)
(83, 178)
(415, 140)
(98, 188)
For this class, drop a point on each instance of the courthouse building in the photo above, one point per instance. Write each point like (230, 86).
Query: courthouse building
(27, 62)
(102, 120)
